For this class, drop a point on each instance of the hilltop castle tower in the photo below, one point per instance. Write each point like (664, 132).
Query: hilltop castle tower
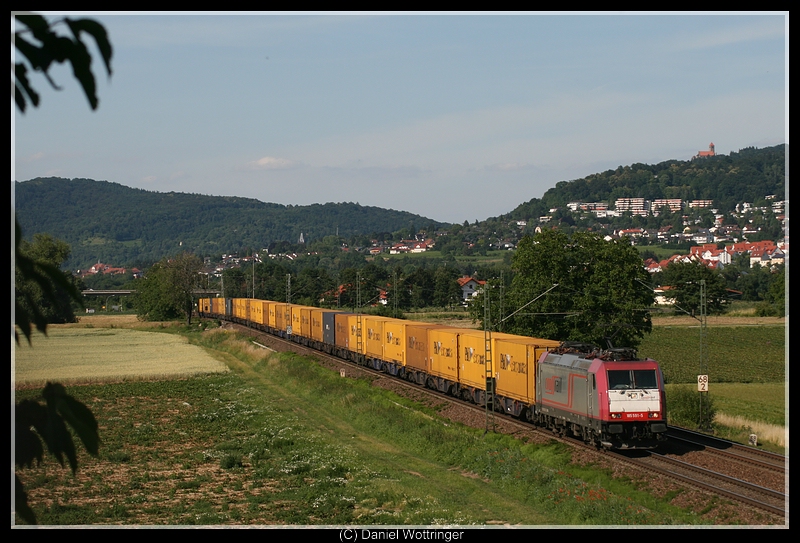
(706, 154)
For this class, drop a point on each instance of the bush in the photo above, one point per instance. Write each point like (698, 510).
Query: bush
(765, 309)
(230, 461)
(683, 407)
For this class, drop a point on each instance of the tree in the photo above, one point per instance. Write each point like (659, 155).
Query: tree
(777, 292)
(49, 422)
(579, 288)
(446, 291)
(166, 291)
(420, 284)
(685, 278)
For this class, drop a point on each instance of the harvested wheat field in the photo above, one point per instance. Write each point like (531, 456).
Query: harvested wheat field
(78, 355)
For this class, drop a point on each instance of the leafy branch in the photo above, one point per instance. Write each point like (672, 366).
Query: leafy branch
(35, 422)
(51, 48)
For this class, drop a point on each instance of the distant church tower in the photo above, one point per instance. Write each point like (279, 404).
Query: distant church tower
(303, 241)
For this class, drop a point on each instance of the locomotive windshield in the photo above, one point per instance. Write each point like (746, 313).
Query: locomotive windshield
(622, 379)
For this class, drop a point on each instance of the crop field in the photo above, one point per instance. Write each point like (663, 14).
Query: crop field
(281, 440)
(72, 354)
(734, 354)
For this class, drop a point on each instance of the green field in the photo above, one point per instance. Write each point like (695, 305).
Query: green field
(734, 354)
(280, 440)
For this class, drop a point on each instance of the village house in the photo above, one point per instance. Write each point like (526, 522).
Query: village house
(470, 287)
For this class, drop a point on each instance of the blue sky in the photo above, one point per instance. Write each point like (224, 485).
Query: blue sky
(453, 117)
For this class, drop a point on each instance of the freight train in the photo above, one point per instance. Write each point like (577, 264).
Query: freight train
(608, 398)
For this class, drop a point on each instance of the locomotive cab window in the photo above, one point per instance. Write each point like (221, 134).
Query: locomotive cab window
(645, 379)
(623, 379)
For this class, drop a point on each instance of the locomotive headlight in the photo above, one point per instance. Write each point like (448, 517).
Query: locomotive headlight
(616, 415)
(653, 414)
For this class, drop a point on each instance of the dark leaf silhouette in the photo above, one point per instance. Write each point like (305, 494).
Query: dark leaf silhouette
(54, 48)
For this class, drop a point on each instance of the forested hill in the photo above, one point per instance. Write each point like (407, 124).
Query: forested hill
(111, 223)
(746, 176)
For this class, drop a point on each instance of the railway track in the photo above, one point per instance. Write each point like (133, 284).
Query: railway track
(709, 480)
(757, 496)
(761, 468)
(734, 451)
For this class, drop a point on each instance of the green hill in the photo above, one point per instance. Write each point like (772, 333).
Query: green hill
(745, 176)
(111, 223)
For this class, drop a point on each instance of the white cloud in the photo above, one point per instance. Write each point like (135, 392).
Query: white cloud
(272, 163)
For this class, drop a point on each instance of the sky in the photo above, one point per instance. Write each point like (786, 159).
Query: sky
(453, 117)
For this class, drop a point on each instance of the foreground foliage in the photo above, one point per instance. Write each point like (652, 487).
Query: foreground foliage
(43, 292)
(34, 423)
(48, 47)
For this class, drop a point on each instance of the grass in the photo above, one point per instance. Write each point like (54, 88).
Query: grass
(739, 428)
(280, 440)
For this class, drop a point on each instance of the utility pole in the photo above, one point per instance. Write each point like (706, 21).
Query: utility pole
(394, 284)
(288, 302)
(487, 359)
(502, 301)
(358, 313)
(702, 378)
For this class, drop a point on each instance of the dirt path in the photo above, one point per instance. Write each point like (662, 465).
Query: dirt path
(720, 321)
